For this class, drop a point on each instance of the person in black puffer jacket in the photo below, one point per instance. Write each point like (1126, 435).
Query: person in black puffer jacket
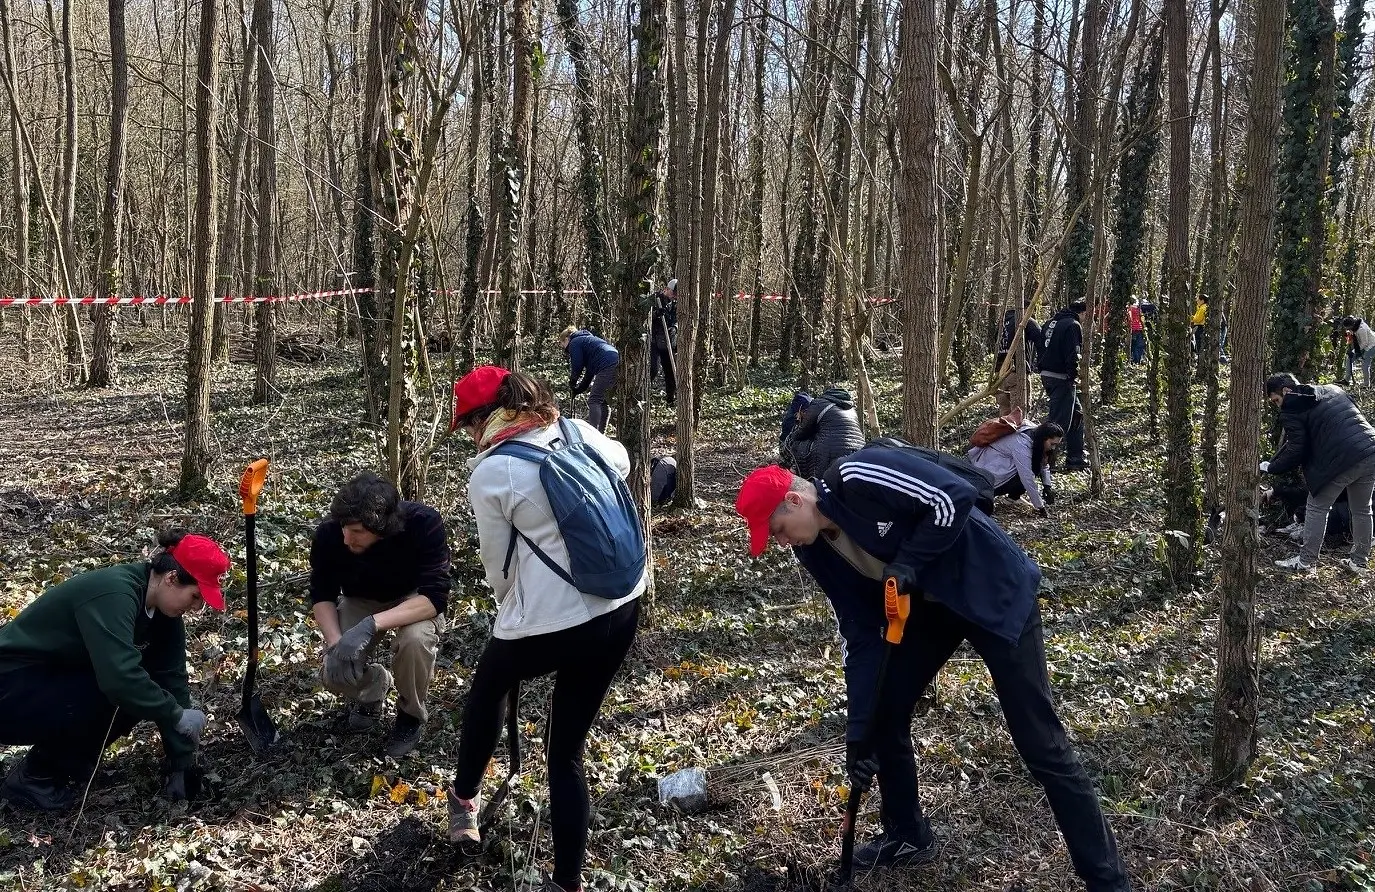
(829, 429)
(1326, 435)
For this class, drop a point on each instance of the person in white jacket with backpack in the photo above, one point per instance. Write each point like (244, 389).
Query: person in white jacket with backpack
(1016, 460)
(567, 609)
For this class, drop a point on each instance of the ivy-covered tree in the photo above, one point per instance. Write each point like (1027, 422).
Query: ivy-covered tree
(1140, 139)
(1295, 314)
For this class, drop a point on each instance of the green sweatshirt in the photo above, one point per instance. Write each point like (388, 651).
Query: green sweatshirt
(97, 621)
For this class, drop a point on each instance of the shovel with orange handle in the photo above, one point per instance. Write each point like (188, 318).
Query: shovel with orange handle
(897, 606)
(253, 719)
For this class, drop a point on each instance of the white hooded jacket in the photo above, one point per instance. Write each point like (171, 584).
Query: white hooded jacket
(506, 491)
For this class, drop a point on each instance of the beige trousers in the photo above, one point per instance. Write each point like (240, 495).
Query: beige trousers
(413, 650)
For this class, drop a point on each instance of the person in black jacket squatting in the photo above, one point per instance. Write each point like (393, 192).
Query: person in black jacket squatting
(379, 563)
(886, 512)
(1327, 436)
(1064, 340)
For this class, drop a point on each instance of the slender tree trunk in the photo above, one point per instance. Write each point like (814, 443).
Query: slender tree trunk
(108, 273)
(196, 455)
(640, 250)
(19, 179)
(1237, 702)
(265, 268)
(225, 272)
(1181, 477)
(508, 333)
(76, 348)
(1219, 236)
(917, 117)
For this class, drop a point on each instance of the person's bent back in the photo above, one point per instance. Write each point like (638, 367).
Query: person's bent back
(829, 430)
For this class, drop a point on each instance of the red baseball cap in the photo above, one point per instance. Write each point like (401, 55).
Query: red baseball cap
(205, 560)
(760, 495)
(476, 389)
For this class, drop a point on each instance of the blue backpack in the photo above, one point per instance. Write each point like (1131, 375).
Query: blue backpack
(594, 512)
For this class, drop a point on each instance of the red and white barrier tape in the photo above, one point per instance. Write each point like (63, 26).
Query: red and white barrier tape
(163, 299)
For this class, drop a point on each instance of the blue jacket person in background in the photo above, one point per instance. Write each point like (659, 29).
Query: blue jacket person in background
(886, 512)
(592, 364)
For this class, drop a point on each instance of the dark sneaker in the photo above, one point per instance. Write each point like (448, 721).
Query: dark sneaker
(362, 717)
(23, 789)
(463, 821)
(405, 734)
(551, 886)
(890, 851)
(1076, 466)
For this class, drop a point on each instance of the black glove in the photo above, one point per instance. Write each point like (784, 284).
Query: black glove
(906, 577)
(861, 765)
(1043, 511)
(1048, 494)
(183, 785)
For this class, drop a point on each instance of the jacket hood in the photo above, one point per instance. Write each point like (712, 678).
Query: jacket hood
(838, 396)
(1304, 397)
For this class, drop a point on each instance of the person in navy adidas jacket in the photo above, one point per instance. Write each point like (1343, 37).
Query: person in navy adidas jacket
(886, 512)
(592, 365)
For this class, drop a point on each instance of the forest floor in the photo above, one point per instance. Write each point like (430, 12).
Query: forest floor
(737, 671)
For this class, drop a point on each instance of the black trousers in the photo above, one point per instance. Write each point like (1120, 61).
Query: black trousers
(63, 715)
(1023, 688)
(1066, 412)
(583, 659)
(1014, 488)
(662, 357)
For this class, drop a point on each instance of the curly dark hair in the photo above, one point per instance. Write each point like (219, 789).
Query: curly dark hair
(1044, 431)
(162, 560)
(371, 500)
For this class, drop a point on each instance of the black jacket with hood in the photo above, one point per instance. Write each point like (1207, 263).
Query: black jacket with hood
(1324, 433)
(829, 430)
(1064, 339)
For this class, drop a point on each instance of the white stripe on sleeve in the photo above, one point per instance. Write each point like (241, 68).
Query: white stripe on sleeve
(939, 500)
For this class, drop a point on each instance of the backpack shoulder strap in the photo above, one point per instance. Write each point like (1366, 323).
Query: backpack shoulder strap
(518, 449)
(571, 435)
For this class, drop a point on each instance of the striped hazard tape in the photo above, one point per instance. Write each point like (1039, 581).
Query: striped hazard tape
(164, 299)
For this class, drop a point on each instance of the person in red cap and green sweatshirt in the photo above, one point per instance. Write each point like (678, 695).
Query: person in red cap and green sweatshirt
(92, 657)
(885, 512)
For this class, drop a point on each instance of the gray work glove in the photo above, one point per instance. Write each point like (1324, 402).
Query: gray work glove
(340, 673)
(183, 785)
(352, 643)
(191, 723)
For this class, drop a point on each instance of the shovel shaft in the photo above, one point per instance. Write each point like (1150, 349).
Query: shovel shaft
(847, 842)
(251, 676)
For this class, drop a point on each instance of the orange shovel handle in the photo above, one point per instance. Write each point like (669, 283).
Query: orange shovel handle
(251, 483)
(897, 607)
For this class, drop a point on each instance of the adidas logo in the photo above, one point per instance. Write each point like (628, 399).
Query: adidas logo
(884, 527)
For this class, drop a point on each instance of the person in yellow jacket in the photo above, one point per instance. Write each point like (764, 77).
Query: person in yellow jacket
(1200, 323)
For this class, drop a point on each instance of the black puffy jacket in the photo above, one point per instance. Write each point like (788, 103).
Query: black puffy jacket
(829, 430)
(1324, 433)
(1063, 343)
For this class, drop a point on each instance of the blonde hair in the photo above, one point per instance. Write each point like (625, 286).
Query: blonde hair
(566, 333)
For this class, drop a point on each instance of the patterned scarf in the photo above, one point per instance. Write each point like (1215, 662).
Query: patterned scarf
(503, 424)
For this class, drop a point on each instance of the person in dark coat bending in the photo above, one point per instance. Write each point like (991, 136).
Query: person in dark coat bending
(1328, 437)
(592, 365)
(887, 512)
(827, 429)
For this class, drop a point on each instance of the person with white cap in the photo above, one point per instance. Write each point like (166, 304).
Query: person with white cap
(95, 655)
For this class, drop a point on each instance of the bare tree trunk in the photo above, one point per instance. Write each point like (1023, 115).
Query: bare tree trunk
(265, 268)
(19, 179)
(234, 190)
(1237, 702)
(916, 101)
(108, 274)
(1181, 479)
(76, 348)
(507, 351)
(196, 455)
(640, 250)
(1219, 236)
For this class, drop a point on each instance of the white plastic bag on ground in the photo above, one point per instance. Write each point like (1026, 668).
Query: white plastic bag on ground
(686, 789)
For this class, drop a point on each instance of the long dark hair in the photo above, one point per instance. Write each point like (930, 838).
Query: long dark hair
(1046, 430)
(162, 559)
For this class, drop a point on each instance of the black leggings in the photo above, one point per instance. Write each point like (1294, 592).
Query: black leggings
(583, 659)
